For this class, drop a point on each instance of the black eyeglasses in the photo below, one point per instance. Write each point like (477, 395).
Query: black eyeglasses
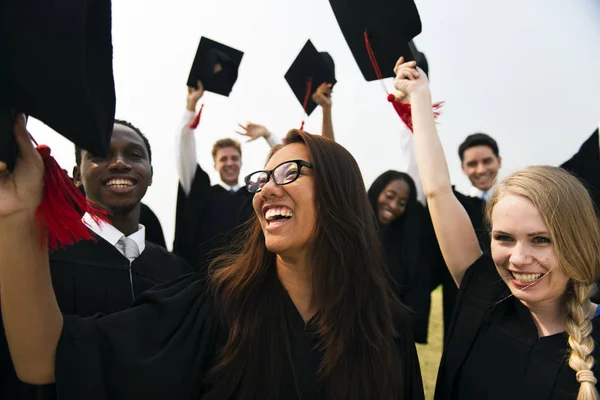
(284, 173)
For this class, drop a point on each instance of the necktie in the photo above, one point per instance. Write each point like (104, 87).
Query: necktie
(231, 191)
(129, 247)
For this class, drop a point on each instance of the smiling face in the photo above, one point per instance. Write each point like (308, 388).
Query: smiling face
(287, 213)
(481, 166)
(523, 252)
(228, 163)
(119, 181)
(392, 201)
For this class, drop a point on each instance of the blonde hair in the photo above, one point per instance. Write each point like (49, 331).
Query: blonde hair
(569, 213)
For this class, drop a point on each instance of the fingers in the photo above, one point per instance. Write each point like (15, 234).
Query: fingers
(3, 166)
(26, 147)
(408, 65)
(407, 73)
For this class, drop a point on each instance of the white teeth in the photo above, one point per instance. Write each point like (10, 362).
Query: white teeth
(278, 211)
(387, 214)
(526, 278)
(121, 183)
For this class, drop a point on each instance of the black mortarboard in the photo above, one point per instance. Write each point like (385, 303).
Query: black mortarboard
(419, 58)
(389, 24)
(216, 66)
(308, 71)
(56, 65)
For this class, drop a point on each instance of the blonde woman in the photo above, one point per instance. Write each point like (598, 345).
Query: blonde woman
(524, 326)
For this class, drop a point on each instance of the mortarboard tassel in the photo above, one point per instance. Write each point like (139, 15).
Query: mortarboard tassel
(402, 109)
(306, 98)
(63, 206)
(194, 124)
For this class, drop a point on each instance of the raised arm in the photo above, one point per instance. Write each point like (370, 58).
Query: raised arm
(32, 319)
(452, 225)
(254, 131)
(322, 97)
(186, 142)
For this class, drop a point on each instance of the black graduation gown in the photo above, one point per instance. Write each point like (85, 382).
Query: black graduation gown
(475, 208)
(493, 350)
(115, 357)
(154, 231)
(208, 219)
(585, 165)
(88, 278)
(408, 260)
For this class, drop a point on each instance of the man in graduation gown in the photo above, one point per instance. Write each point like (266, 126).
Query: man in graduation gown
(480, 162)
(208, 216)
(107, 274)
(154, 231)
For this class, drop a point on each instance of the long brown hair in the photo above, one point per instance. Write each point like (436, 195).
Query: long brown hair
(569, 213)
(357, 308)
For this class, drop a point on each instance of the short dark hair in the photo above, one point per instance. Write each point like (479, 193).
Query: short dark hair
(477, 139)
(128, 125)
(223, 143)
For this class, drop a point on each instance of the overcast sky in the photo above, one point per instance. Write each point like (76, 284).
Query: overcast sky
(525, 72)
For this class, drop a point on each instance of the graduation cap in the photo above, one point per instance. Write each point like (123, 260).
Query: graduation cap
(378, 32)
(216, 66)
(56, 65)
(309, 70)
(420, 58)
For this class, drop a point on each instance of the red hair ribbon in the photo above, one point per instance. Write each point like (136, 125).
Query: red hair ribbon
(306, 98)
(63, 206)
(402, 109)
(194, 124)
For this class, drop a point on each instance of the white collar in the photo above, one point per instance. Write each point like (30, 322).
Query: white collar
(112, 235)
(480, 194)
(229, 188)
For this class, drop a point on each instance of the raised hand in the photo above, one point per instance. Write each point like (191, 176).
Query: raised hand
(322, 96)
(409, 79)
(253, 131)
(21, 190)
(194, 95)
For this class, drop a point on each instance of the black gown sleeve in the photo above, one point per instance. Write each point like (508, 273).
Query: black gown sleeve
(413, 382)
(159, 349)
(188, 214)
(154, 231)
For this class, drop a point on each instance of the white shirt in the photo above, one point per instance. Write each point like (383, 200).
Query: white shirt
(229, 188)
(112, 235)
(480, 194)
(186, 157)
(408, 155)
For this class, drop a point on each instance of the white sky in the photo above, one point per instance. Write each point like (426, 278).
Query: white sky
(525, 72)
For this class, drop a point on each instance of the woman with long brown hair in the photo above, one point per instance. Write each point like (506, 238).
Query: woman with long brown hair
(301, 309)
(524, 326)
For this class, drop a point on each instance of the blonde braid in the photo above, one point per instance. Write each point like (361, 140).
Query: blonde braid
(579, 329)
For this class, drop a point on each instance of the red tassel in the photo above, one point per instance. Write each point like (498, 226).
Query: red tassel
(402, 109)
(307, 94)
(405, 113)
(196, 120)
(63, 206)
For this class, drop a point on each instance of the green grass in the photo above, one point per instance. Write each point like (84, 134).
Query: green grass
(431, 353)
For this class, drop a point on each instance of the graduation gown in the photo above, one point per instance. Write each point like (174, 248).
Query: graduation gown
(154, 231)
(408, 259)
(208, 219)
(115, 357)
(585, 165)
(89, 278)
(493, 350)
